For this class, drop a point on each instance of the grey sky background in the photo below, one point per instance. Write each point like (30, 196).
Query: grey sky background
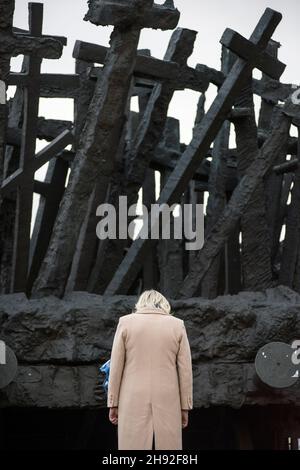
(209, 18)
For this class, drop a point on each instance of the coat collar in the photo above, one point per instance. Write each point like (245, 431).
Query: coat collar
(151, 310)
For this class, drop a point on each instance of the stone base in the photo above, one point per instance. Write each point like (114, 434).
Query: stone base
(60, 344)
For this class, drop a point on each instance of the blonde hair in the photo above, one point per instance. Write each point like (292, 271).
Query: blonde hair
(153, 299)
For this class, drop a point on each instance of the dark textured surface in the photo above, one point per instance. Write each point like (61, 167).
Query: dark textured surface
(290, 255)
(256, 243)
(181, 75)
(60, 342)
(139, 154)
(111, 156)
(274, 145)
(217, 198)
(196, 151)
(94, 157)
(6, 20)
(121, 13)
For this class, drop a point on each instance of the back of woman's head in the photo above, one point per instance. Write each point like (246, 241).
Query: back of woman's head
(153, 299)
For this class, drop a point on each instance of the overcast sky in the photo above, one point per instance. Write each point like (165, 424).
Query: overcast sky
(209, 18)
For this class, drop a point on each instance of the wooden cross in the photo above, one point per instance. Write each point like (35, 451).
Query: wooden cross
(57, 85)
(141, 150)
(276, 144)
(289, 270)
(51, 86)
(255, 252)
(186, 77)
(103, 128)
(169, 253)
(53, 188)
(140, 13)
(14, 44)
(254, 56)
(43, 156)
(217, 195)
(173, 74)
(36, 47)
(12, 157)
(275, 184)
(155, 69)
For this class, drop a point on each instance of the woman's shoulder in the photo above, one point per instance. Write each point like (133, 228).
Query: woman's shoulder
(133, 315)
(124, 317)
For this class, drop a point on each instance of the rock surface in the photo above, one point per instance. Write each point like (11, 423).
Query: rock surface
(60, 343)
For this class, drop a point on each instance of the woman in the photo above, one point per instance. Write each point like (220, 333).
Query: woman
(150, 388)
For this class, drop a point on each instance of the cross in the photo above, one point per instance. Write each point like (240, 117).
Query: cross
(207, 131)
(186, 77)
(276, 144)
(12, 44)
(290, 254)
(168, 253)
(180, 47)
(255, 254)
(140, 153)
(53, 187)
(51, 86)
(104, 125)
(217, 192)
(36, 47)
(47, 129)
(152, 68)
(11, 163)
(143, 14)
(57, 85)
(51, 190)
(60, 142)
(25, 33)
(80, 87)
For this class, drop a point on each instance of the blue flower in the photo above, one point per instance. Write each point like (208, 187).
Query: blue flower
(104, 369)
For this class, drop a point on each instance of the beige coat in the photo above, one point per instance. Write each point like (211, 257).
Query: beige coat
(150, 379)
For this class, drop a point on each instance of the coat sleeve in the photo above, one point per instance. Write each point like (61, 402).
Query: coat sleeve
(117, 362)
(185, 371)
